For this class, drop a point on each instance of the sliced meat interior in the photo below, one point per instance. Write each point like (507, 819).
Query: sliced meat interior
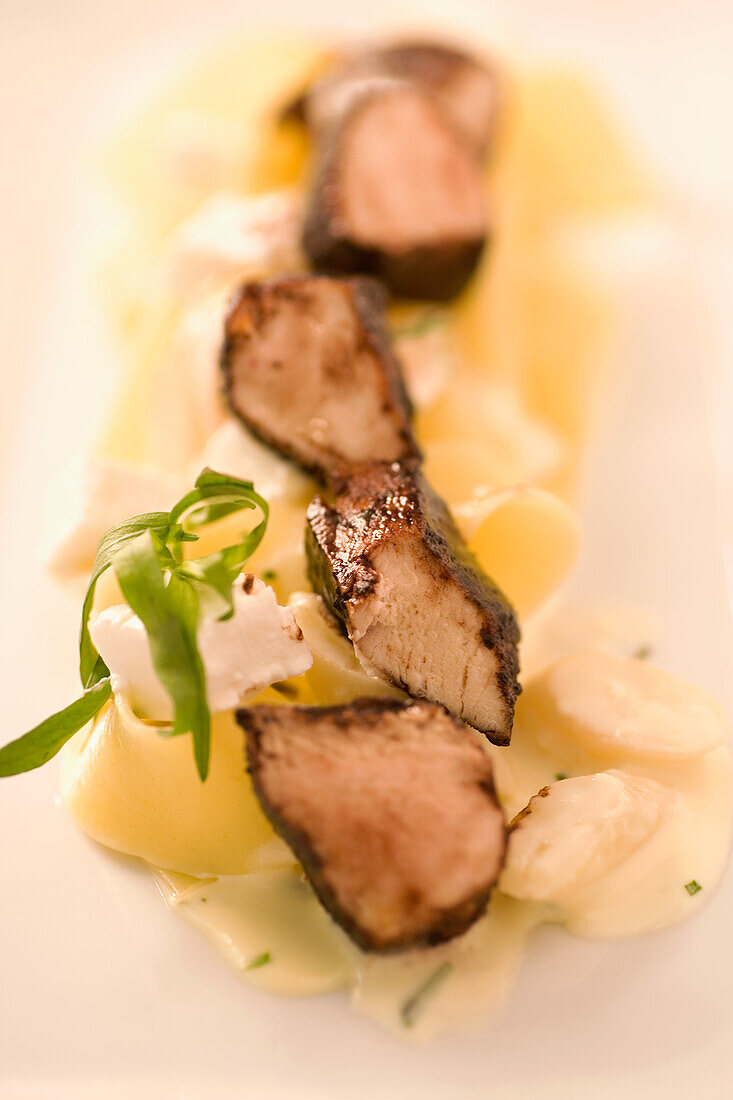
(390, 563)
(390, 808)
(308, 367)
(397, 193)
(468, 89)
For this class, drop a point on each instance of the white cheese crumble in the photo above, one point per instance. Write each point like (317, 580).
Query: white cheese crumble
(260, 645)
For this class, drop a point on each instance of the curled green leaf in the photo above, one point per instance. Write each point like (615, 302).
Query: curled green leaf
(43, 742)
(416, 1002)
(169, 613)
(165, 592)
(91, 666)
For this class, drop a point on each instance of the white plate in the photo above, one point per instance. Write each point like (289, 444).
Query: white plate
(102, 993)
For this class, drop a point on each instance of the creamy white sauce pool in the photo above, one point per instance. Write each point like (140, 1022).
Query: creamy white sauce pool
(274, 914)
(270, 927)
(125, 786)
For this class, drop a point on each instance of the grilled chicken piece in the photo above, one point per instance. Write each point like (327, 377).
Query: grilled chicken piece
(467, 89)
(397, 193)
(308, 366)
(390, 808)
(389, 562)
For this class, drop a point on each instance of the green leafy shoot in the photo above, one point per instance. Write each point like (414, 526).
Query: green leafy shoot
(91, 666)
(422, 325)
(41, 743)
(693, 887)
(415, 1004)
(223, 496)
(166, 593)
(259, 960)
(169, 613)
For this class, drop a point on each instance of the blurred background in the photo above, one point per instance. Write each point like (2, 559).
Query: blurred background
(70, 72)
(67, 69)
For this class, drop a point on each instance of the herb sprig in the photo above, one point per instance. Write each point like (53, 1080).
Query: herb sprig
(166, 593)
(420, 326)
(259, 960)
(416, 1002)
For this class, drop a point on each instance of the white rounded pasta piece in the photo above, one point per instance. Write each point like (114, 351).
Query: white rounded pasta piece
(140, 793)
(622, 708)
(525, 538)
(623, 629)
(336, 675)
(576, 831)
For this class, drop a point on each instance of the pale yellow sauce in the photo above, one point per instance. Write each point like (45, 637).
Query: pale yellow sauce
(268, 915)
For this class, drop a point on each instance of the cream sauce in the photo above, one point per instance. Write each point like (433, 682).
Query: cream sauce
(270, 927)
(123, 783)
(275, 913)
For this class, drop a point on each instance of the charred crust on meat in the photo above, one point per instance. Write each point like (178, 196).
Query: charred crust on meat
(378, 503)
(283, 748)
(431, 267)
(423, 272)
(253, 307)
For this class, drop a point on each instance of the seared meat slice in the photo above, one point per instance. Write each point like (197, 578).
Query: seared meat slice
(389, 807)
(467, 89)
(308, 366)
(397, 193)
(390, 563)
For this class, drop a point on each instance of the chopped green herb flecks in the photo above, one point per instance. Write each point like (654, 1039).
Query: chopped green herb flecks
(644, 652)
(269, 576)
(259, 960)
(426, 322)
(559, 776)
(692, 887)
(166, 593)
(416, 1002)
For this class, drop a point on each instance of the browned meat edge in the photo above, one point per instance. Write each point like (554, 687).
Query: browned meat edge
(369, 301)
(450, 924)
(436, 272)
(338, 579)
